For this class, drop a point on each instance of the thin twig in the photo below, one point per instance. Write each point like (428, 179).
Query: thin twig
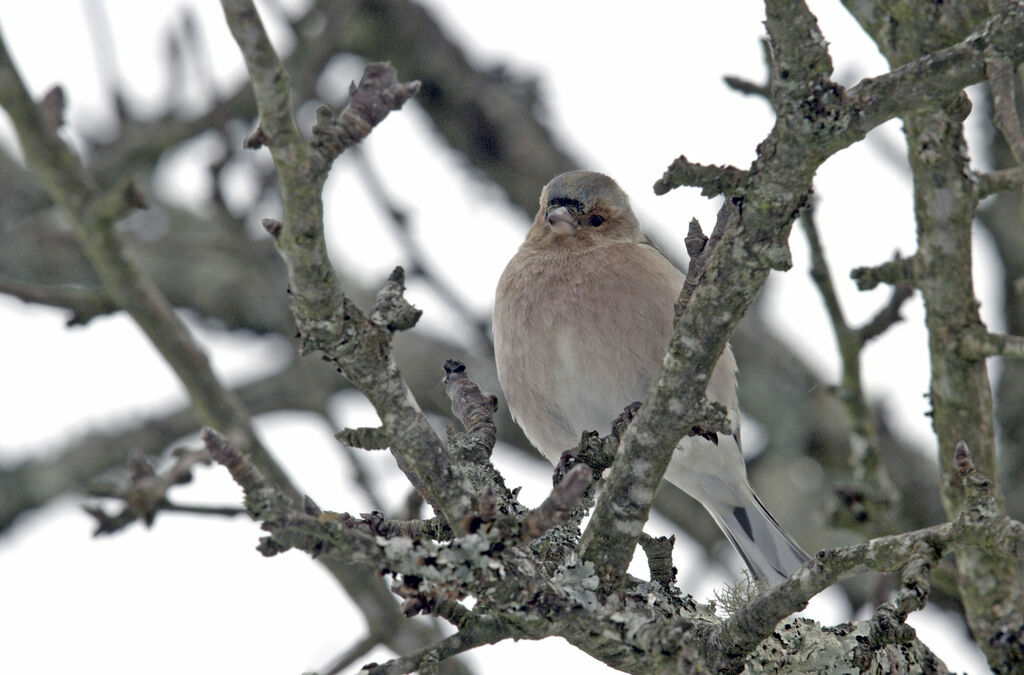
(712, 180)
(865, 458)
(897, 270)
(145, 492)
(351, 655)
(1001, 83)
(473, 634)
(1002, 180)
(420, 266)
(199, 509)
(979, 345)
(888, 315)
(85, 304)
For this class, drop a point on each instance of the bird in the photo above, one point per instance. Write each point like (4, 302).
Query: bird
(582, 318)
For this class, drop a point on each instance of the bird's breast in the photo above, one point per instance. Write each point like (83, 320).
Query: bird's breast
(577, 338)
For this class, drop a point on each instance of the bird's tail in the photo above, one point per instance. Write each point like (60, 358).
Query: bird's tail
(770, 553)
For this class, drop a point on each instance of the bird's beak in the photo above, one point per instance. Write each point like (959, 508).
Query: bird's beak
(562, 222)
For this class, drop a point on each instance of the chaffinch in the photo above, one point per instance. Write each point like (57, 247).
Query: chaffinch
(582, 319)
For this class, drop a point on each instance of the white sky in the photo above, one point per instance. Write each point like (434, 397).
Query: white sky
(627, 91)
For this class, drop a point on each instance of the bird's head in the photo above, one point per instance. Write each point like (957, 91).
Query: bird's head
(583, 208)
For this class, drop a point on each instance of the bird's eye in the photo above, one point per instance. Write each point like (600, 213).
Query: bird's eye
(596, 220)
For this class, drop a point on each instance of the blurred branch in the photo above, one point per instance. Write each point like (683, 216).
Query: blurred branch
(84, 304)
(744, 86)
(106, 60)
(145, 492)
(896, 271)
(1000, 217)
(1001, 72)
(420, 266)
(92, 214)
(351, 655)
(876, 498)
(888, 315)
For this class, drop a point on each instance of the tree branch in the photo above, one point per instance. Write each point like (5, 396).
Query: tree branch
(870, 481)
(713, 180)
(642, 629)
(473, 633)
(945, 200)
(145, 492)
(1000, 71)
(92, 214)
(914, 552)
(896, 271)
(329, 321)
(1002, 180)
(979, 345)
(85, 304)
(775, 189)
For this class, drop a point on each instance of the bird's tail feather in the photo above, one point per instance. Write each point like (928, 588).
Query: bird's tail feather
(769, 553)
